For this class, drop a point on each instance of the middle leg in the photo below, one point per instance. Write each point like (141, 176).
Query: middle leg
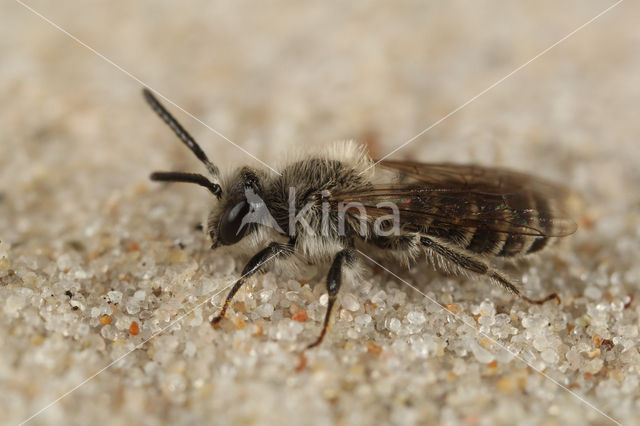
(334, 280)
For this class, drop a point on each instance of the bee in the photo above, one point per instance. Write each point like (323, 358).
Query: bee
(326, 207)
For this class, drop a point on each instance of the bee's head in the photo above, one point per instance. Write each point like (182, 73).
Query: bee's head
(240, 209)
(241, 206)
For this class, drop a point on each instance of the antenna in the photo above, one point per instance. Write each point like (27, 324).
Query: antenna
(188, 178)
(184, 136)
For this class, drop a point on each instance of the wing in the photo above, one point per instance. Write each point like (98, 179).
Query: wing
(450, 198)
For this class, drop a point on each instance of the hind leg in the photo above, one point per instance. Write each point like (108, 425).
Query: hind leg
(476, 264)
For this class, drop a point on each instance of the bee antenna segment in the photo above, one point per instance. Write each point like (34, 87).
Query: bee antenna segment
(188, 178)
(177, 128)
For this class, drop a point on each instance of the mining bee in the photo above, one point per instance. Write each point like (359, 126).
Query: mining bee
(325, 207)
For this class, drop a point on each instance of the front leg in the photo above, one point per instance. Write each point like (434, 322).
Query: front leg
(334, 280)
(254, 265)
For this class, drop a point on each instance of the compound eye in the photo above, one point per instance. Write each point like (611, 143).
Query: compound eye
(229, 230)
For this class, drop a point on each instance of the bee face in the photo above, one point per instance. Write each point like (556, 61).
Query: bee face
(229, 222)
(227, 227)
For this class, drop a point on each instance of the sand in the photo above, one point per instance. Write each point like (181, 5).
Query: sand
(106, 287)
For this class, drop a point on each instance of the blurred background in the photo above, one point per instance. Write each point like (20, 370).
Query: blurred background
(77, 135)
(287, 75)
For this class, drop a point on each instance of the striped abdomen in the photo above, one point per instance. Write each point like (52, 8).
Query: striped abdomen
(505, 225)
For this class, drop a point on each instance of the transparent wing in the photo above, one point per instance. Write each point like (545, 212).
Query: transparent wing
(466, 198)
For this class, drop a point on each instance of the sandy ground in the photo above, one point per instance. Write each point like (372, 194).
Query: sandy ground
(105, 283)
